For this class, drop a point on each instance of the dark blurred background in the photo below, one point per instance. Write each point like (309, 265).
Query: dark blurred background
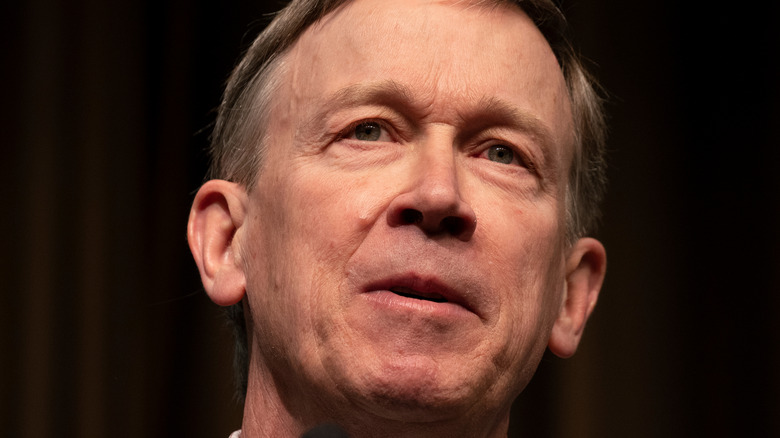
(105, 329)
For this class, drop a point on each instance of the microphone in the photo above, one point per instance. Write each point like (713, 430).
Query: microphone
(326, 430)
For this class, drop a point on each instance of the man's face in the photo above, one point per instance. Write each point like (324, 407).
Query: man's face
(404, 242)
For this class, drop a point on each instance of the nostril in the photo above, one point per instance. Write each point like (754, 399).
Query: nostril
(456, 220)
(453, 225)
(411, 216)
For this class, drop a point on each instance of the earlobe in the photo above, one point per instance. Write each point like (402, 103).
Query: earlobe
(585, 268)
(215, 218)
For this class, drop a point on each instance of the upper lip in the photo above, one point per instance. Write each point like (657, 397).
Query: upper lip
(425, 286)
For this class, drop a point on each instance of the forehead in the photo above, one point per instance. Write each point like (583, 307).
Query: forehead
(448, 55)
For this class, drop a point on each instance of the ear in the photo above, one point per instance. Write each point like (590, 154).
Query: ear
(217, 214)
(586, 265)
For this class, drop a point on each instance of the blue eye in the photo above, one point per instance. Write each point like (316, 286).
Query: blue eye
(368, 131)
(500, 154)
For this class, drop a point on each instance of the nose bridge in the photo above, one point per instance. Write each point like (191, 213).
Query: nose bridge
(436, 172)
(434, 202)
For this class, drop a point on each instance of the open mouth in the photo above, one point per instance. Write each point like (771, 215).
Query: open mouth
(426, 294)
(411, 293)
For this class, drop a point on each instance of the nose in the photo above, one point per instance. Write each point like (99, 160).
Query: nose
(433, 202)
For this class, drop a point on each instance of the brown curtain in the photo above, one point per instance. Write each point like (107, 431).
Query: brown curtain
(105, 330)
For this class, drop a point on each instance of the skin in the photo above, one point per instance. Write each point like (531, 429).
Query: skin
(418, 205)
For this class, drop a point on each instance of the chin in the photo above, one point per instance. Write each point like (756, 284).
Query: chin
(417, 389)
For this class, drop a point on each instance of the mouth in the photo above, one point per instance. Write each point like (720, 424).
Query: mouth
(417, 295)
(421, 293)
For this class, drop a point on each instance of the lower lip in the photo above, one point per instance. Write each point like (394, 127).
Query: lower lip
(389, 300)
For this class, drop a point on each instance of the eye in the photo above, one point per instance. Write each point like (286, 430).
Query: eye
(367, 131)
(500, 154)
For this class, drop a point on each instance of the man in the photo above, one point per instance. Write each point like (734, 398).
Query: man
(404, 192)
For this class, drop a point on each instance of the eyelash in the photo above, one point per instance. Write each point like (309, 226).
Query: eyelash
(350, 129)
(520, 156)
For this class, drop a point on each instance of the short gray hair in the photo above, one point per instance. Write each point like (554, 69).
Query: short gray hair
(238, 141)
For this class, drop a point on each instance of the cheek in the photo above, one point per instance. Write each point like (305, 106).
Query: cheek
(310, 228)
(334, 211)
(525, 252)
(312, 222)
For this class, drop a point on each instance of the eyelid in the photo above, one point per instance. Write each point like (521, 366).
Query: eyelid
(383, 124)
(521, 156)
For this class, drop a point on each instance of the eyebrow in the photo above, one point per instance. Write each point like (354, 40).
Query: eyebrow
(499, 113)
(502, 113)
(385, 93)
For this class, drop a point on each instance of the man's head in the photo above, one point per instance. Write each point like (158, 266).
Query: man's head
(411, 181)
